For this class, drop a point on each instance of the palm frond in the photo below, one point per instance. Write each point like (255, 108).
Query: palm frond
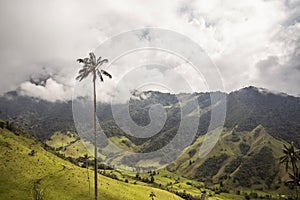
(285, 151)
(82, 75)
(295, 179)
(83, 70)
(99, 59)
(84, 60)
(285, 161)
(93, 58)
(101, 62)
(80, 60)
(87, 60)
(87, 66)
(100, 75)
(78, 77)
(105, 73)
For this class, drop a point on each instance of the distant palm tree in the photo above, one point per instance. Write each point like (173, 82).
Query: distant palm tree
(86, 158)
(152, 195)
(291, 156)
(92, 65)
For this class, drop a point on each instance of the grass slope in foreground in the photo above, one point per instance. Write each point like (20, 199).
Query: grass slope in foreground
(28, 171)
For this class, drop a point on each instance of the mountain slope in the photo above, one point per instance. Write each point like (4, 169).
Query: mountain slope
(40, 117)
(278, 113)
(28, 171)
(247, 108)
(247, 159)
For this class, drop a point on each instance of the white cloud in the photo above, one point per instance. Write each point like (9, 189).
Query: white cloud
(281, 62)
(145, 70)
(52, 91)
(244, 38)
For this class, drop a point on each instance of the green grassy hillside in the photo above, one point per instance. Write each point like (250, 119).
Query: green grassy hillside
(240, 163)
(28, 171)
(246, 160)
(163, 179)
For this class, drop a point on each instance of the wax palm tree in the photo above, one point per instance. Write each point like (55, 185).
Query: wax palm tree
(152, 195)
(86, 158)
(291, 156)
(92, 65)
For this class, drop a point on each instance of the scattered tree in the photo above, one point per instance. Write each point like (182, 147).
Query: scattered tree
(86, 157)
(152, 179)
(32, 153)
(152, 195)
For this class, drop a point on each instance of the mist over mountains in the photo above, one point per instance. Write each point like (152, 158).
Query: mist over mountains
(246, 109)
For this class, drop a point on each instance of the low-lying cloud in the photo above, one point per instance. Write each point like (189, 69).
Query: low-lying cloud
(253, 42)
(50, 90)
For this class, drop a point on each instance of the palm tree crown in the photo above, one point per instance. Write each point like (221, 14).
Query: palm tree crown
(92, 65)
(291, 155)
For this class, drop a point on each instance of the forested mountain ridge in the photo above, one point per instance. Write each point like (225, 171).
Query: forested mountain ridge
(246, 108)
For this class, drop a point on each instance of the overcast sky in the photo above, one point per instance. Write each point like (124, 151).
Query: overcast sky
(252, 42)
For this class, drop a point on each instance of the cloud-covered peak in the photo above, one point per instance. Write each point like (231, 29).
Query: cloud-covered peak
(252, 42)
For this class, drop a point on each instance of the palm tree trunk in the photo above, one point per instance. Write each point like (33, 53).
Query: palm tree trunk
(87, 170)
(295, 171)
(95, 146)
